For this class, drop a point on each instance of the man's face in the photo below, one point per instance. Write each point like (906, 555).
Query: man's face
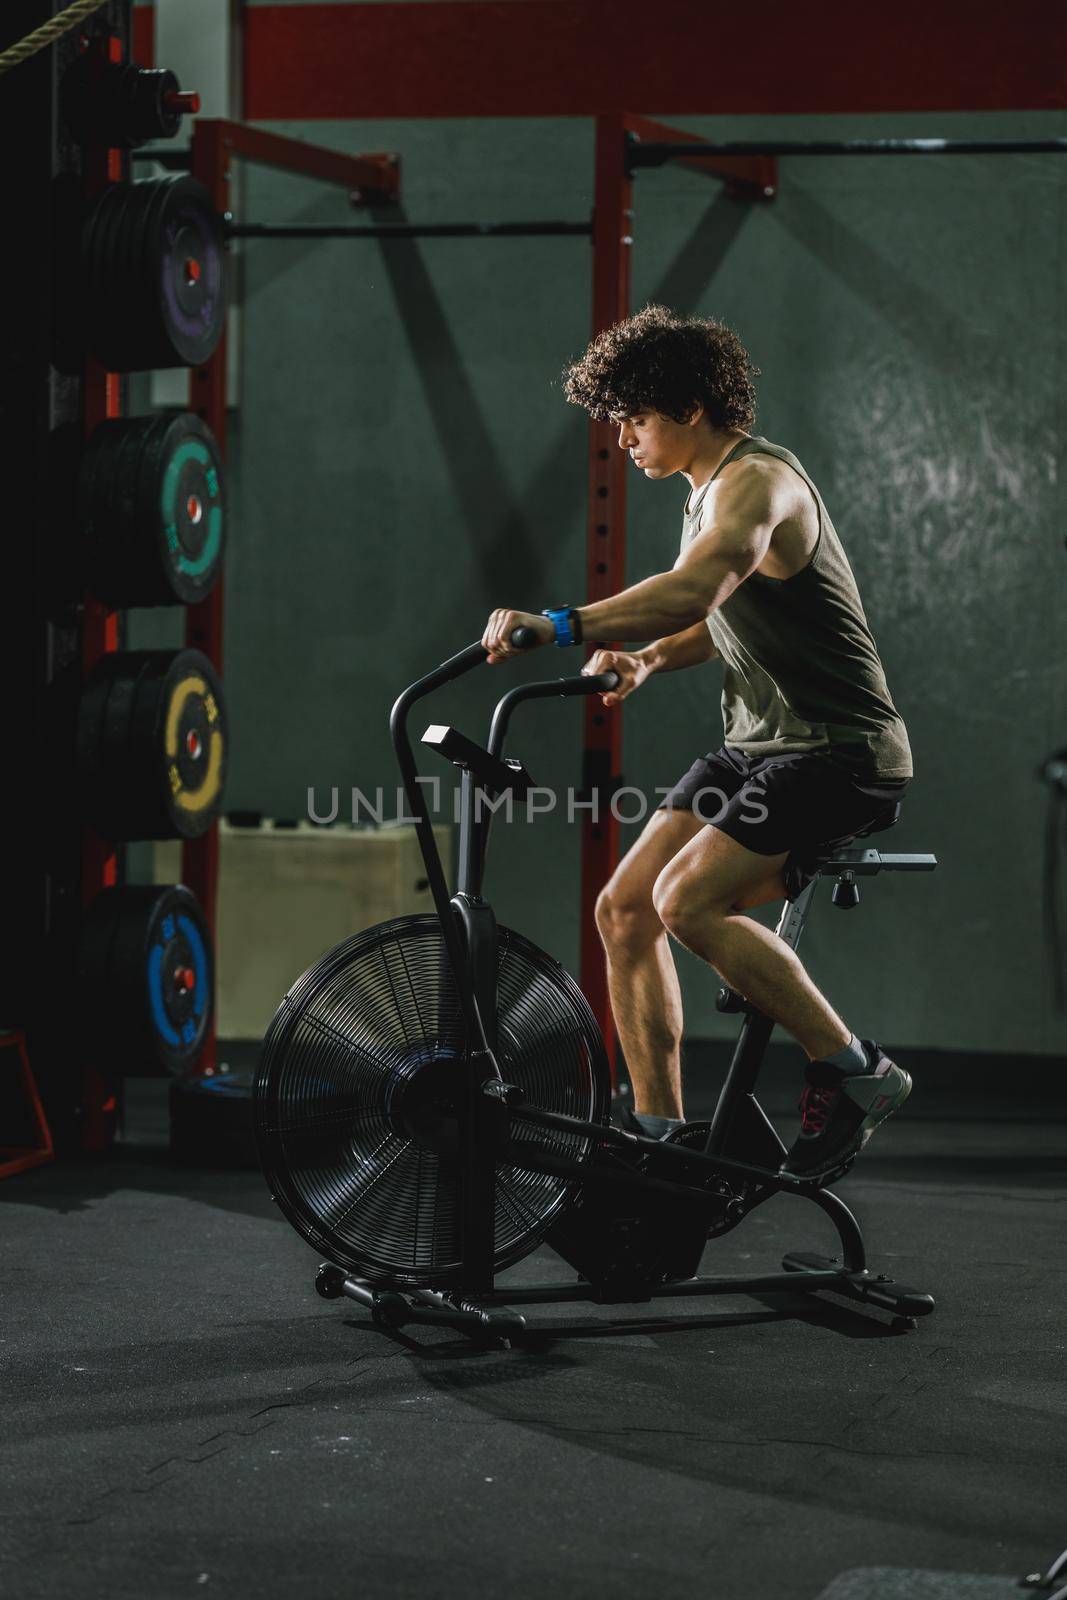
(657, 444)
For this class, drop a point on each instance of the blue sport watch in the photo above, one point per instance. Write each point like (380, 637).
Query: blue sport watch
(567, 623)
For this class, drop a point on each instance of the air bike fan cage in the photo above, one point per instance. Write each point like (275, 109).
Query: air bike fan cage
(432, 1101)
(377, 1055)
(364, 1069)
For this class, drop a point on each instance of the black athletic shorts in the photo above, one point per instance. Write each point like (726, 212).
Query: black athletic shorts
(800, 803)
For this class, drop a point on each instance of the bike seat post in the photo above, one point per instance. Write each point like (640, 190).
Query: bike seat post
(795, 915)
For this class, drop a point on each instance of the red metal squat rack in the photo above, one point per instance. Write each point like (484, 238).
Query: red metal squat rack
(102, 399)
(376, 178)
(370, 180)
(751, 178)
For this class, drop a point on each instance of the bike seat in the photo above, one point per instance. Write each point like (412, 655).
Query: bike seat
(885, 819)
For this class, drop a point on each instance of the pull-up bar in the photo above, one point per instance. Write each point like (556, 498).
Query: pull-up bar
(655, 153)
(413, 230)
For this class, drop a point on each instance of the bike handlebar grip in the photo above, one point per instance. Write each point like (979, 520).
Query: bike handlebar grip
(599, 682)
(524, 638)
(589, 683)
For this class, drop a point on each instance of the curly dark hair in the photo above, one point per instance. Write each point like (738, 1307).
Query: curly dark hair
(658, 361)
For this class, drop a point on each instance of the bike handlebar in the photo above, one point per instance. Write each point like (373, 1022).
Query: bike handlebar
(447, 672)
(524, 638)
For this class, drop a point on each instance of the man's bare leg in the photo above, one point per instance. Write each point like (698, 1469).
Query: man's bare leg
(646, 1003)
(700, 896)
(646, 1000)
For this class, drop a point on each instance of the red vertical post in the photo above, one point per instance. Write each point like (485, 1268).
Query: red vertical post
(101, 400)
(605, 556)
(203, 622)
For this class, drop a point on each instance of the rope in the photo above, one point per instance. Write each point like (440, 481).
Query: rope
(1055, 825)
(48, 33)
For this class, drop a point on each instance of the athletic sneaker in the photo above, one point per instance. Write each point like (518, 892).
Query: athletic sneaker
(840, 1110)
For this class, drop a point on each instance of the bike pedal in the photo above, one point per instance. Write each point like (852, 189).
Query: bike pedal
(823, 1180)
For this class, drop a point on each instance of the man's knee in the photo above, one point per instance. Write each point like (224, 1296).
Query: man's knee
(625, 918)
(685, 893)
(683, 903)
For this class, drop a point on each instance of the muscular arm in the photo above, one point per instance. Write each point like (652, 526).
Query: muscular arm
(750, 501)
(686, 649)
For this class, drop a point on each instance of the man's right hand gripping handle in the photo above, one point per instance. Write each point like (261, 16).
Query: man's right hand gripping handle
(686, 649)
(630, 665)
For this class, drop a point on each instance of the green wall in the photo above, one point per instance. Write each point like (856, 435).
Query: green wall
(402, 460)
(909, 321)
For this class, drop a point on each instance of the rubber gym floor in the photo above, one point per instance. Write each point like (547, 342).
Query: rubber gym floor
(184, 1415)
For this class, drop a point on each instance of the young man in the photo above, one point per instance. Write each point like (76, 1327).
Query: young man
(814, 750)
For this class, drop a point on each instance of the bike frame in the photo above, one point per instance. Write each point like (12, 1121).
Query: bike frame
(470, 936)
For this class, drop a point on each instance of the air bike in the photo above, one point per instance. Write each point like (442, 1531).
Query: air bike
(432, 1102)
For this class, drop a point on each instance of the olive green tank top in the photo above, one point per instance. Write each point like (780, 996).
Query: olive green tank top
(801, 668)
